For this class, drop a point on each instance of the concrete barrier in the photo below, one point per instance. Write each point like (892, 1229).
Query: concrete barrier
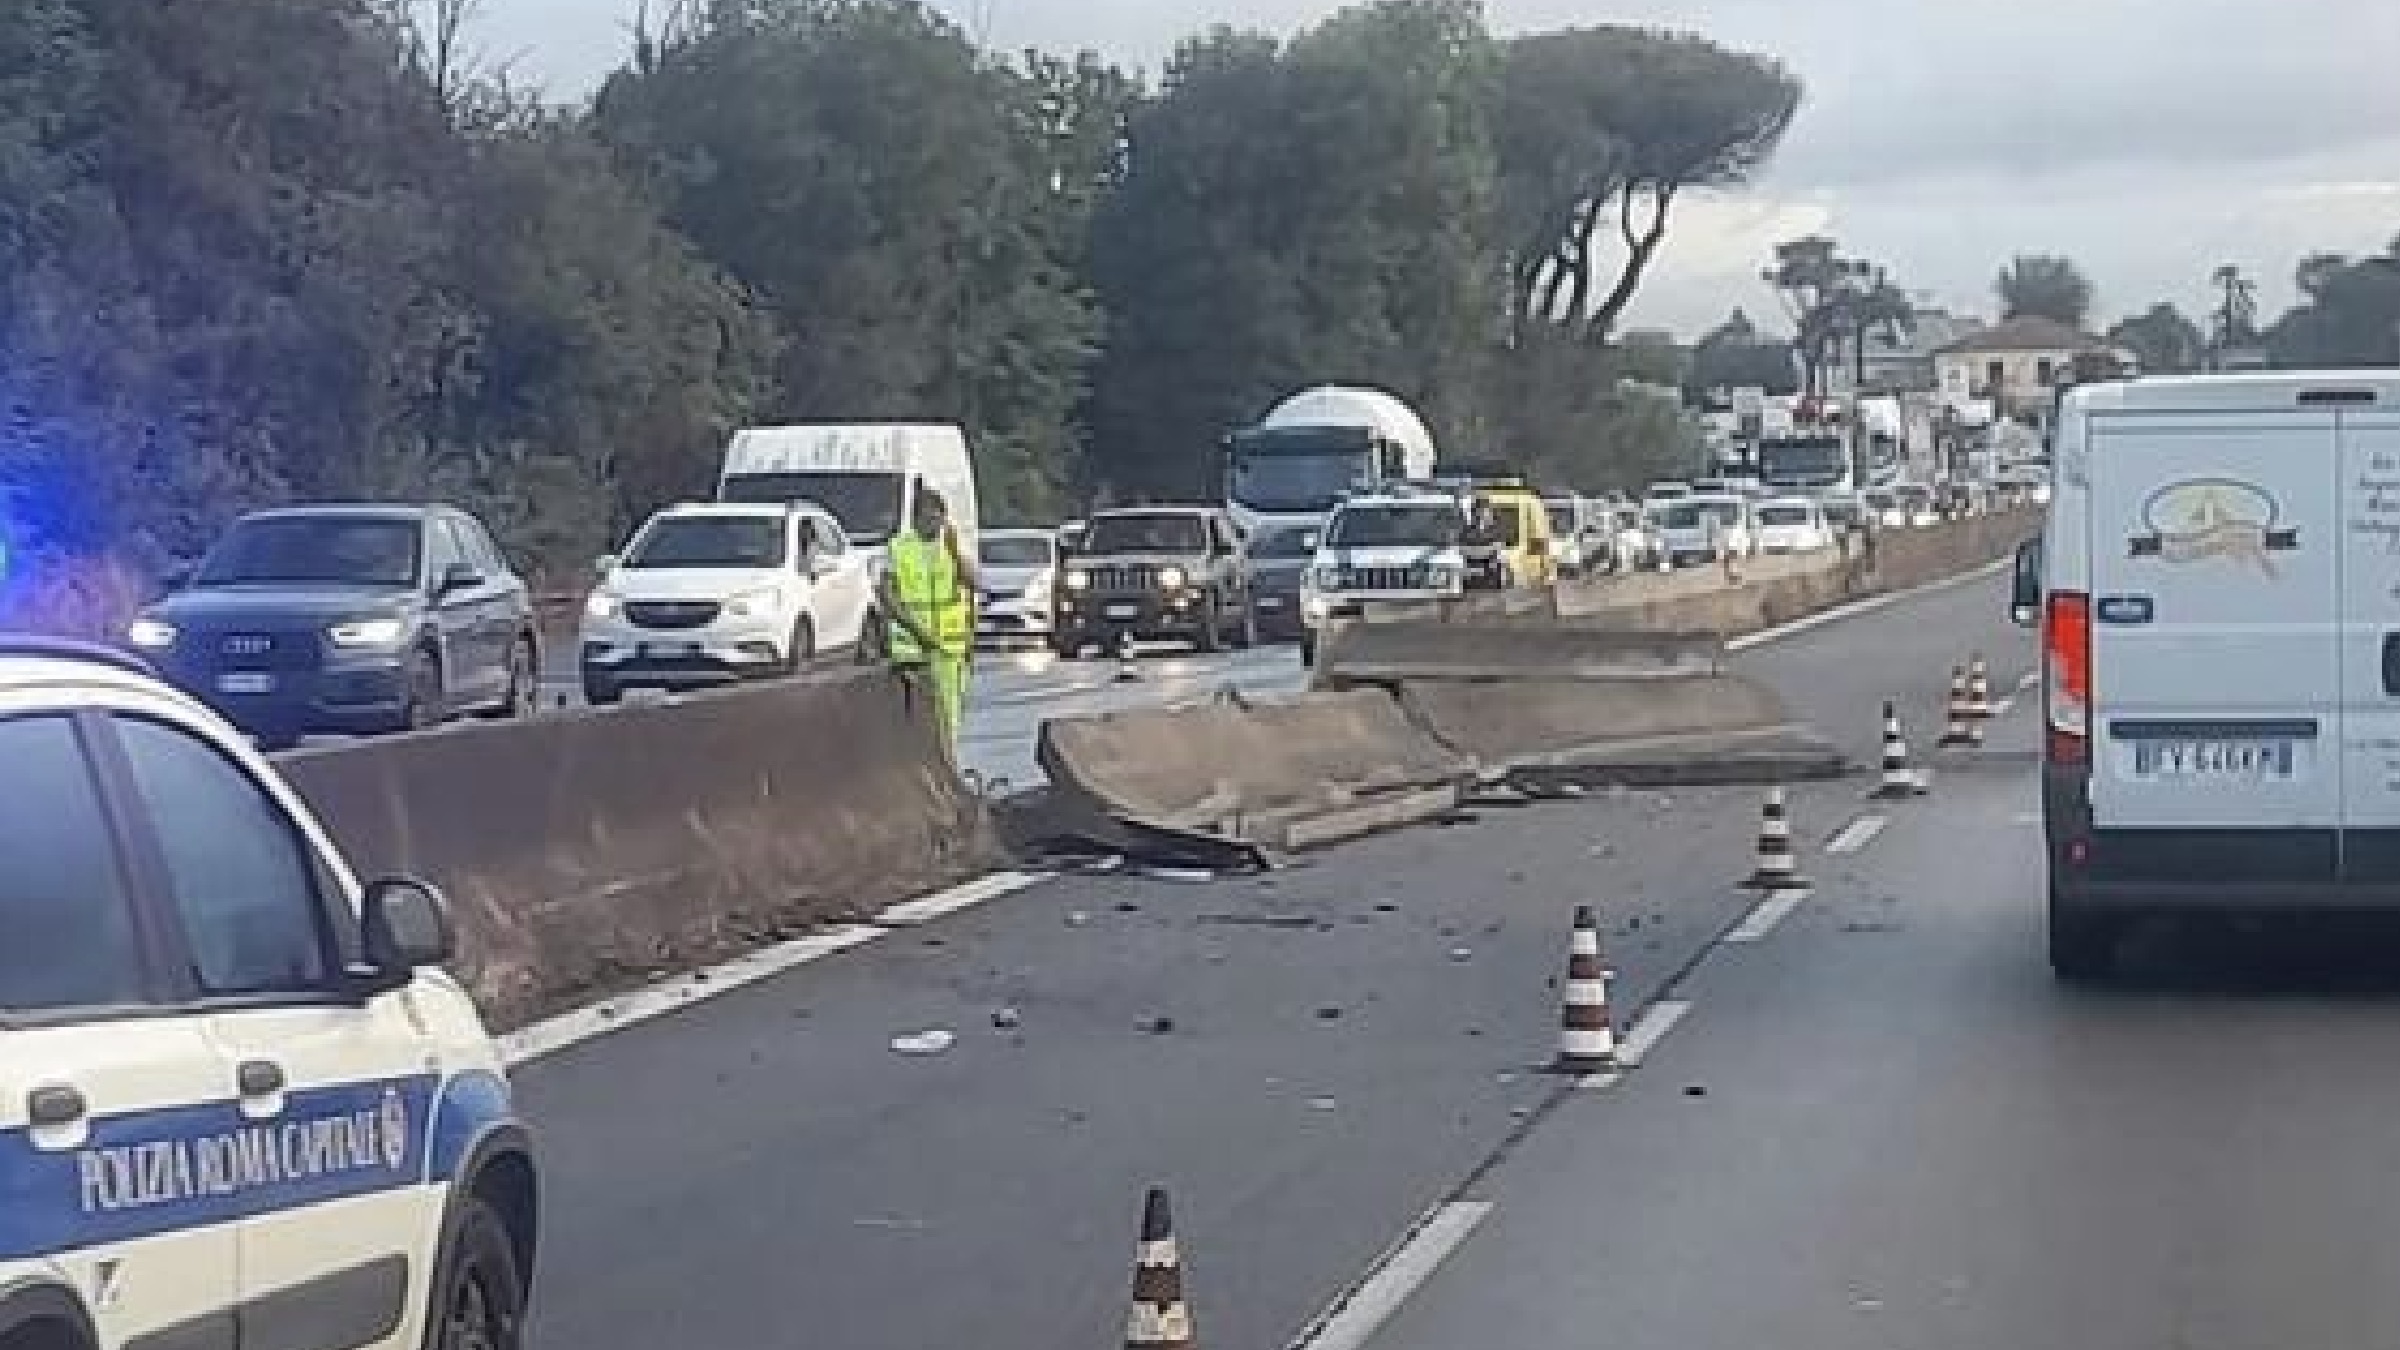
(1704, 729)
(1284, 773)
(1493, 650)
(584, 851)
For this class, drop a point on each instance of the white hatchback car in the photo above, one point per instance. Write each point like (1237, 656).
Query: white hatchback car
(1792, 525)
(715, 591)
(240, 1102)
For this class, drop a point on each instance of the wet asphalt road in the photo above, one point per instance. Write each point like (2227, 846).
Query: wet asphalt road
(1345, 1044)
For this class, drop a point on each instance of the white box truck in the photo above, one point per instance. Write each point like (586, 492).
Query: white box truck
(1318, 446)
(867, 474)
(2218, 592)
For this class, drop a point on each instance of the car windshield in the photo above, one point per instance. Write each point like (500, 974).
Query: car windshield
(1295, 541)
(1682, 516)
(1287, 481)
(1395, 526)
(1147, 532)
(708, 541)
(315, 550)
(1015, 551)
(1725, 513)
(1783, 515)
(867, 504)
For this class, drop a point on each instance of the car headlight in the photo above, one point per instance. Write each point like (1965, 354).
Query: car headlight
(602, 605)
(756, 604)
(367, 633)
(1172, 578)
(150, 634)
(1079, 580)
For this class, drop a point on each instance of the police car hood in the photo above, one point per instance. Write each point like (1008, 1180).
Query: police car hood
(285, 602)
(691, 583)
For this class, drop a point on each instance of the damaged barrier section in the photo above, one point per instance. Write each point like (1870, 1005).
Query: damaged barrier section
(584, 852)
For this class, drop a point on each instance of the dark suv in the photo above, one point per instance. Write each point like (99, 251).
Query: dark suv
(1171, 572)
(355, 619)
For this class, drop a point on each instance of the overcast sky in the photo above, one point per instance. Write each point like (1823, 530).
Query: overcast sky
(2149, 139)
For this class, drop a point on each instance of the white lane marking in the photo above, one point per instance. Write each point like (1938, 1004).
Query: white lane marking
(1649, 1029)
(1859, 607)
(597, 1019)
(1763, 918)
(925, 909)
(1857, 834)
(1353, 1321)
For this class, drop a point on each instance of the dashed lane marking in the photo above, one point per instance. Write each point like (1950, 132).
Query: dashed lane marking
(1355, 1320)
(1763, 918)
(1857, 834)
(1649, 1029)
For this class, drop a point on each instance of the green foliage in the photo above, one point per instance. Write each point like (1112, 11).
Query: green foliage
(2162, 339)
(2348, 315)
(2045, 286)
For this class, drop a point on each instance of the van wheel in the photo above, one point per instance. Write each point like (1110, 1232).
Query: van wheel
(479, 1300)
(524, 696)
(601, 691)
(2083, 945)
(423, 702)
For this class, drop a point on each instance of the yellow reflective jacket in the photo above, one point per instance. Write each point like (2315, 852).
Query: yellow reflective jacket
(925, 577)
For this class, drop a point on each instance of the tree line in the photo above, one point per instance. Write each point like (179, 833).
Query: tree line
(257, 250)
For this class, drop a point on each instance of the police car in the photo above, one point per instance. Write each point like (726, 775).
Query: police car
(241, 1105)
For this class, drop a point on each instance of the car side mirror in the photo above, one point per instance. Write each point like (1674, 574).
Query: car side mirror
(2025, 592)
(459, 577)
(406, 927)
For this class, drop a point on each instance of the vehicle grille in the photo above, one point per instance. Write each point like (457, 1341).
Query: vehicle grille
(1124, 577)
(252, 649)
(1409, 578)
(671, 614)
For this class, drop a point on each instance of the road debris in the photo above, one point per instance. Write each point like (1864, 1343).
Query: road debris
(932, 1041)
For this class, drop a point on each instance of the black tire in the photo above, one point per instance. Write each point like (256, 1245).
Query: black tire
(1308, 647)
(478, 1292)
(524, 695)
(2083, 945)
(422, 702)
(800, 648)
(1211, 637)
(870, 646)
(600, 690)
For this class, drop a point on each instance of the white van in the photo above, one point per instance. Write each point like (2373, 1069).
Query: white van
(867, 474)
(2218, 589)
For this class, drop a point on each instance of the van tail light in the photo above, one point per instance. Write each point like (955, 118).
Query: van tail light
(2067, 682)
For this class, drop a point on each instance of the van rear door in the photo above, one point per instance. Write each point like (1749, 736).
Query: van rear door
(2215, 635)
(2370, 523)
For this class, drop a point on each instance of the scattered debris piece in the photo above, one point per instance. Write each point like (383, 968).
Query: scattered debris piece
(929, 1042)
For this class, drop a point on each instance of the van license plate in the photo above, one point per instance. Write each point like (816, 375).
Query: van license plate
(246, 682)
(1123, 609)
(2226, 761)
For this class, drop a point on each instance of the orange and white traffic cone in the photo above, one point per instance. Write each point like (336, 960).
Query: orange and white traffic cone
(1160, 1319)
(1979, 688)
(1898, 780)
(1778, 869)
(1965, 729)
(1587, 1030)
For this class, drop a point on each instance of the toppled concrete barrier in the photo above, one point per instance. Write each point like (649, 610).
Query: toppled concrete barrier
(1389, 654)
(1703, 729)
(1285, 774)
(584, 851)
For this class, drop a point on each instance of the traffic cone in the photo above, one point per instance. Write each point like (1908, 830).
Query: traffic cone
(1897, 780)
(1964, 728)
(1160, 1319)
(1979, 688)
(1587, 1032)
(1777, 869)
(1127, 671)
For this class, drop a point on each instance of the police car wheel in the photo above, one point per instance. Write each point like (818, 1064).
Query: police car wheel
(480, 1303)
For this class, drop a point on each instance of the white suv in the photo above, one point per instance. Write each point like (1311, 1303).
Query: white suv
(718, 591)
(240, 1102)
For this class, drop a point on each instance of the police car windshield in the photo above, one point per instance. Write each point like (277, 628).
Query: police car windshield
(314, 550)
(1147, 533)
(708, 541)
(1427, 526)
